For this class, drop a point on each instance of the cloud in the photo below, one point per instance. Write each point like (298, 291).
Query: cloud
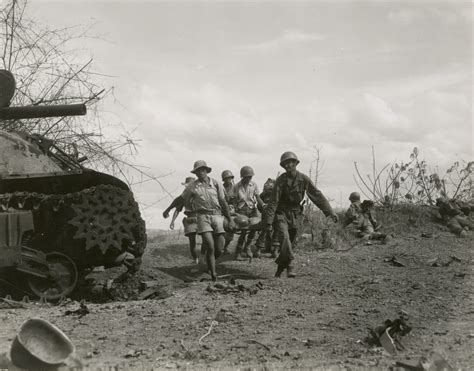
(448, 14)
(287, 38)
(228, 130)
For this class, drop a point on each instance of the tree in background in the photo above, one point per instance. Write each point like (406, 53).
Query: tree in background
(49, 70)
(415, 182)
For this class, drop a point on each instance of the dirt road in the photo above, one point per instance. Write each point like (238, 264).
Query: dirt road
(320, 318)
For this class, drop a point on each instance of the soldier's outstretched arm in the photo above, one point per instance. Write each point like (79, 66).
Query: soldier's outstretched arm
(175, 215)
(317, 197)
(178, 203)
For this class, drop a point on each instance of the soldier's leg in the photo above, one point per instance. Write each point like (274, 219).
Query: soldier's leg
(228, 237)
(192, 246)
(208, 239)
(248, 242)
(217, 223)
(286, 253)
(275, 244)
(205, 229)
(240, 245)
(465, 222)
(454, 226)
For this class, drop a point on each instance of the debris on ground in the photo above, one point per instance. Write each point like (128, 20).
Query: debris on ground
(213, 323)
(234, 287)
(388, 335)
(433, 362)
(396, 261)
(81, 311)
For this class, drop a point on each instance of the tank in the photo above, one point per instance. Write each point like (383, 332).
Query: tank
(91, 217)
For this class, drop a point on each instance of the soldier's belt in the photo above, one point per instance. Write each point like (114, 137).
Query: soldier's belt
(209, 212)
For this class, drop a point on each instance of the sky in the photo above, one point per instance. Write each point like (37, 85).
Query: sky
(239, 83)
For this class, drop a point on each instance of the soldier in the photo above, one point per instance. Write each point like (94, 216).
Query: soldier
(360, 219)
(353, 212)
(266, 239)
(369, 225)
(189, 222)
(228, 183)
(455, 215)
(246, 198)
(208, 199)
(285, 211)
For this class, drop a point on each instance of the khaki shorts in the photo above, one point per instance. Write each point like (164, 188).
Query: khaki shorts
(190, 225)
(210, 223)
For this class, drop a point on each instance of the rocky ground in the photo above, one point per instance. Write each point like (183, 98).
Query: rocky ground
(321, 318)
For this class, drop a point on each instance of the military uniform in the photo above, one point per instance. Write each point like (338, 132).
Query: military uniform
(228, 236)
(360, 220)
(455, 215)
(206, 197)
(245, 200)
(285, 210)
(267, 239)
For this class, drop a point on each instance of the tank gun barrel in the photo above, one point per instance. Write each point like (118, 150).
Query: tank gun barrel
(28, 112)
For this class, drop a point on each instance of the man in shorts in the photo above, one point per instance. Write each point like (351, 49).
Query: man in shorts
(208, 200)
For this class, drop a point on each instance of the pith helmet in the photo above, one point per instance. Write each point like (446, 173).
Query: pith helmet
(288, 156)
(39, 345)
(246, 171)
(199, 164)
(227, 174)
(188, 180)
(354, 196)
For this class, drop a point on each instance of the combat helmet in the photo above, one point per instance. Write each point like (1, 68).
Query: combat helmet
(227, 174)
(354, 196)
(246, 171)
(40, 345)
(288, 156)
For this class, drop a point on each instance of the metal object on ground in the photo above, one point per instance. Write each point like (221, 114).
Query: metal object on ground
(40, 345)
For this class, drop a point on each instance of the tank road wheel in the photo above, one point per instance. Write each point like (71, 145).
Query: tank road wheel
(61, 281)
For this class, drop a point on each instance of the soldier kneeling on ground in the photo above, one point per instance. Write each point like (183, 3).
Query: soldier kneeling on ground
(360, 219)
(456, 215)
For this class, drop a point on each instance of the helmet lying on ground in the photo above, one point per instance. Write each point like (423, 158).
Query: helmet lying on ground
(40, 344)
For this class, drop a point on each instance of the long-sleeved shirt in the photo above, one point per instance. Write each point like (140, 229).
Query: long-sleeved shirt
(205, 196)
(288, 193)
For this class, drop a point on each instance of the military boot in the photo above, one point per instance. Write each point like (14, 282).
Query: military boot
(257, 253)
(279, 271)
(289, 272)
(238, 253)
(248, 252)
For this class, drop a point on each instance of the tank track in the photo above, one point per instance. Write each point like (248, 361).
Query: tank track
(93, 226)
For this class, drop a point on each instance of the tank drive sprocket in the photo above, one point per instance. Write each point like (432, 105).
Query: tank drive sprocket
(107, 218)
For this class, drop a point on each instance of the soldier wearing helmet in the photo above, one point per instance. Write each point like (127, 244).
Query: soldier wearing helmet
(189, 221)
(353, 213)
(228, 183)
(208, 199)
(360, 219)
(246, 199)
(284, 211)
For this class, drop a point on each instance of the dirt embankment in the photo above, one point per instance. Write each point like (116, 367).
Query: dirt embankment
(320, 318)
